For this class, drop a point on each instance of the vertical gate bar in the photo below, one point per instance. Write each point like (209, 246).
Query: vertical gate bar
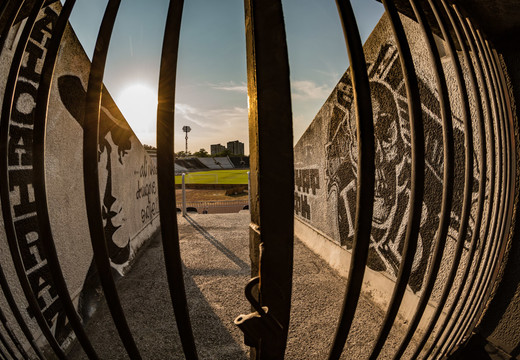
(482, 258)
(166, 176)
(3, 281)
(482, 280)
(272, 168)
(482, 186)
(7, 106)
(468, 188)
(417, 185)
(91, 177)
(40, 192)
(365, 176)
(12, 335)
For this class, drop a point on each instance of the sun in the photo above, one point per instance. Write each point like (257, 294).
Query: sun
(138, 103)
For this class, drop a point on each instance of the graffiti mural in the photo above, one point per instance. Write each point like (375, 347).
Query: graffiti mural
(393, 167)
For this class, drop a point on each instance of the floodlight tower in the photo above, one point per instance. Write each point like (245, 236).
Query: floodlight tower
(186, 129)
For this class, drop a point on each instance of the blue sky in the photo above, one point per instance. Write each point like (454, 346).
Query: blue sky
(211, 79)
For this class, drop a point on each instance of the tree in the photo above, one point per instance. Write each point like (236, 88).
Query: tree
(149, 147)
(201, 153)
(182, 154)
(223, 153)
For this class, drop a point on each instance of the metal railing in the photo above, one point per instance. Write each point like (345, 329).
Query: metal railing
(272, 202)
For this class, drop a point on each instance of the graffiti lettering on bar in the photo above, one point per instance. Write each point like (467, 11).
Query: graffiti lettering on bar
(21, 177)
(306, 182)
(393, 166)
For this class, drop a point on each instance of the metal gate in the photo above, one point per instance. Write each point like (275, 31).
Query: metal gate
(272, 197)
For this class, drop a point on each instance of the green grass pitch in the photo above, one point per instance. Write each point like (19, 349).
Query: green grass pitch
(234, 177)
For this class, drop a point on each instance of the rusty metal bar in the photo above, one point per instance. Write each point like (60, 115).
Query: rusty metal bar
(481, 192)
(40, 192)
(417, 190)
(480, 288)
(166, 176)
(91, 178)
(272, 182)
(442, 232)
(4, 177)
(366, 175)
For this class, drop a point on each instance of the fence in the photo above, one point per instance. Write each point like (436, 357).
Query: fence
(272, 178)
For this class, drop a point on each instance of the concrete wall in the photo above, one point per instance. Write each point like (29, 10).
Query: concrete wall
(127, 178)
(326, 161)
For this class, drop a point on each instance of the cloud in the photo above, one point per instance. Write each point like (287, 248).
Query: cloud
(231, 86)
(306, 89)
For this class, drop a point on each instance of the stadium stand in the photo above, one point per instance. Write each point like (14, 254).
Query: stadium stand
(191, 164)
(211, 163)
(224, 162)
(240, 162)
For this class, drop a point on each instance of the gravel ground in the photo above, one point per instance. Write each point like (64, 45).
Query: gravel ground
(216, 263)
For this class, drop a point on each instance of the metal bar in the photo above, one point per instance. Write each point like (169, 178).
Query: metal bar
(4, 177)
(7, 347)
(444, 223)
(481, 192)
(3, 281)
(508, 165)
(184, 194)
(9, 24)
(365, 176)
(91, 178)
(40, 192)
(417, 190)
(482, 280)
(272, 182)
(166, 176)
(12, 335)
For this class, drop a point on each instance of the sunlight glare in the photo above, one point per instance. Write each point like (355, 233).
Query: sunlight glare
(138, 103)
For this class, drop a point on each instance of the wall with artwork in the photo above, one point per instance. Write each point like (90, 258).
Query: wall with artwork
(127, 178)
(326, 168)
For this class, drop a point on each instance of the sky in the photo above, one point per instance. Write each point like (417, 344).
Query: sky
(211, 94)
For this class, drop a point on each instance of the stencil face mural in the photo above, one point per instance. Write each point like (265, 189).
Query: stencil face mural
(393, 167)
(114, 143)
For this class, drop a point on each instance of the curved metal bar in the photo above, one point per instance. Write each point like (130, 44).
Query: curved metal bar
(12, 335)
(365, 176)
(166, 178)
(482, 189)
(495, 235)
(417, 191)
(466, 207)
(505, 219)
(40, 192)
(7, 347)
(9, 24)
(4, 181)
(3, 281)
(91, 178)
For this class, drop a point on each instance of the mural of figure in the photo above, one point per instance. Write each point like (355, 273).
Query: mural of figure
(114, 144)
(393, 167)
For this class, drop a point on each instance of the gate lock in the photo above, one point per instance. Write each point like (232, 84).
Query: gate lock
(259, 325)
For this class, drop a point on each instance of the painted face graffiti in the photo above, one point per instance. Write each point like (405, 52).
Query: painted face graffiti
(393, 169)
(114, 142)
